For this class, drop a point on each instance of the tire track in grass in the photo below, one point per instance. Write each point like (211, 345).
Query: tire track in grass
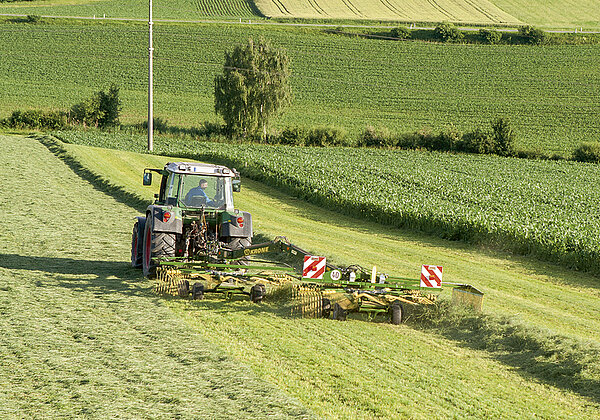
(315, 5)
(390, 6)
(483, 11)
(352, 8)
(281, 6)
(440, 9)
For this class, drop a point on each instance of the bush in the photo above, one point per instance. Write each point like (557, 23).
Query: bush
(504, 137)
(490, 36)
(448, 32)
(100, 110)
(448, 140)
(477, 141)
(587, 152)
(401, 32)
(37, 119)
(531, 35)
(325, 136)
(376, 138)
(293, 136)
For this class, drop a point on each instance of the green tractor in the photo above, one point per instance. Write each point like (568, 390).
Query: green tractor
(192, 216)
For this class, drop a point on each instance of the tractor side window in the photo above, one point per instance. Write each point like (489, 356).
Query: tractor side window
(172, 189)
(163, 187)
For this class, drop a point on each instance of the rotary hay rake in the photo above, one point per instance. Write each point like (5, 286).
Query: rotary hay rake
(318, 289)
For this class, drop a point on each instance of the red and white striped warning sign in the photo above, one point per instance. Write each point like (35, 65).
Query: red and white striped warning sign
(314, 267)
(431, 276)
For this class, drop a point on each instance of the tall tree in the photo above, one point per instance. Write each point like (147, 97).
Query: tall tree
(253, 88)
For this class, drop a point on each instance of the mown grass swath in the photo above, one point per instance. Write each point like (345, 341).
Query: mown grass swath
(340, 369)
(544, 208)
(83, 335)
(549, 92)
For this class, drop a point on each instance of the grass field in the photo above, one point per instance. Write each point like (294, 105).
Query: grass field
(550, 14)
(549, 93)
(554, 13)
(339, 370)
(482, 12)
(542, 208)
(82, 334)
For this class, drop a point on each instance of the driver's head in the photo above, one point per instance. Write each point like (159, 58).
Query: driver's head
(203, 183)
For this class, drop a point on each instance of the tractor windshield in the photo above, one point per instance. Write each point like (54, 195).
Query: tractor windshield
(206, 191)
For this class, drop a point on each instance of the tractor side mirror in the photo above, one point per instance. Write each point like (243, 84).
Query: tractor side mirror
(147, 178)
(237, 185)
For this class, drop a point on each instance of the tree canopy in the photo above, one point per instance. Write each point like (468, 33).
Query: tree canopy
(253, 88)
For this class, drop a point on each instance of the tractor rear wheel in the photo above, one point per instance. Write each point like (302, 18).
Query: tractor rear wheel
(339, 313)
(137, 242)
(396, 312)
(156, 245)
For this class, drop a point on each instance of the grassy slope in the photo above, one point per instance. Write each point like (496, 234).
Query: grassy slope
(304, 355)
(554, 13)
(484, 12)
(550, 14)
(82, 333)
(549, 93)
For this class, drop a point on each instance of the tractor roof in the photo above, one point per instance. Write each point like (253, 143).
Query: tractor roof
(194, 168)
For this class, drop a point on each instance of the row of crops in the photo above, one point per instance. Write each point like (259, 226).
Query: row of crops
(172, 9)
(549, 209)
(549, 93)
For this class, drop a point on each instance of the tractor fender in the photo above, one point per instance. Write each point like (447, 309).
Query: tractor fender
(156, 216)
(230, 227)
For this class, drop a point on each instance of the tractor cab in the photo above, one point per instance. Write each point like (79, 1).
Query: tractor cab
(196, 185)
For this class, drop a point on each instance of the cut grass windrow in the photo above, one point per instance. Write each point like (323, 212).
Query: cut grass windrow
(541, 323)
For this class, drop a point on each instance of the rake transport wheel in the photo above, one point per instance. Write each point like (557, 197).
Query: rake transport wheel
(396, 312)
(339, 313)
(156, 245)
(325, 308)
(198, 291)
(183, 290)
(258, 292)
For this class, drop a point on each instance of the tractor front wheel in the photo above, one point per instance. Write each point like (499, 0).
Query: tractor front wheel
(137, 242)
(156, 245)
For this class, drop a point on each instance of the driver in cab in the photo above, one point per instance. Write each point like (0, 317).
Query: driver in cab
(197, 194)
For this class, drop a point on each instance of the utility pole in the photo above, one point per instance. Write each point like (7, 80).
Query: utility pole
(150, 84)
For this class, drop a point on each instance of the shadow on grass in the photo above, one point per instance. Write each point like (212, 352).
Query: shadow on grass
(104, 276)
(118, 193)
(566, 363)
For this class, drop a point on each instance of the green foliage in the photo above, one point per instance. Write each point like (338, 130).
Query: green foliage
(37, 119)
(478, 141)
(522, 205)
(447, 32)
(253, 88)
(326, 136)
(587, 152)
(504, 137)
(490, 36)
(358, 81)
(400, 32)
(372, 137)
(532, 35)
(100, 110)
